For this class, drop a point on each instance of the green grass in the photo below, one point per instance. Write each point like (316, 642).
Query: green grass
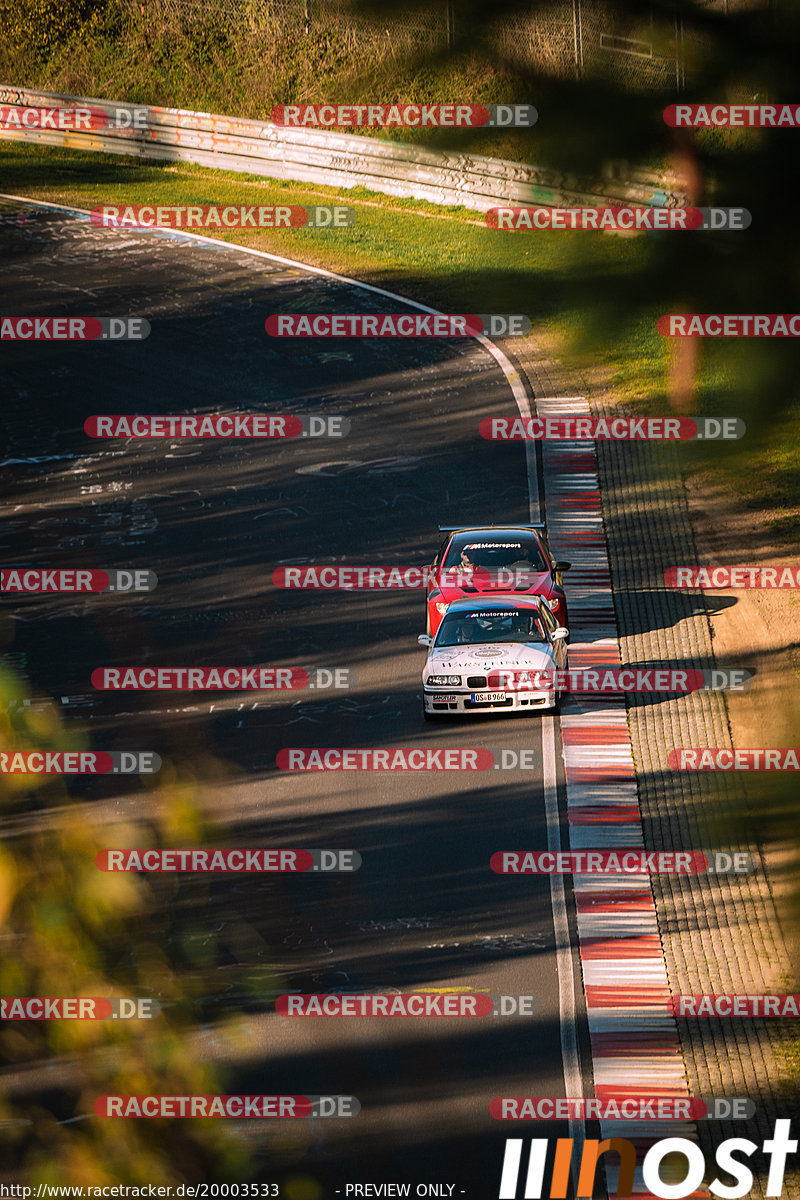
(440, 255)
(589, 296)
(207, 62)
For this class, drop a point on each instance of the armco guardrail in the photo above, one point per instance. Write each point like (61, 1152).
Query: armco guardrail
(335, 159)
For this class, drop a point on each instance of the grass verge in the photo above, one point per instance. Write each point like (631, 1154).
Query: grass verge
(590, 296)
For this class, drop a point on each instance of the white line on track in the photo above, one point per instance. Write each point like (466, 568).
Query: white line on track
(506, 366)
(573, 1080)
(566, 977)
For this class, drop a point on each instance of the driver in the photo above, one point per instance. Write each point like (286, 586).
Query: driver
(470, 632)
(475, 575)
(467, 565)
(520, 628)
(522, 566)
(486, 629)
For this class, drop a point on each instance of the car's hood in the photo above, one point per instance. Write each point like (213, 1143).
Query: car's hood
(488, 656)
(538, 583)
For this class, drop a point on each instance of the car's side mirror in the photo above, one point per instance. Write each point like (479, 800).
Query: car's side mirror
(560, 633)
(562, 566)
(425, 639)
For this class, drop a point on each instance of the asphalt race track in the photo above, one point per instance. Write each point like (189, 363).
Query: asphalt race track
(213, 519)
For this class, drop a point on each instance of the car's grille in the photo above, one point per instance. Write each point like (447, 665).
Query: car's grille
(476, 681)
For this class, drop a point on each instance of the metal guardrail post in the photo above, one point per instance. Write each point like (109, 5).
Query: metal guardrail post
(577, 33)
(451, 24)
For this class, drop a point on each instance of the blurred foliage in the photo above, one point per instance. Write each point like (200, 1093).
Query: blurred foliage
(244, 58)
(69, 929)
(40, 27)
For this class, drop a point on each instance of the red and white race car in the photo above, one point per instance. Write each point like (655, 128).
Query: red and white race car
(495, 654)
(498, 560)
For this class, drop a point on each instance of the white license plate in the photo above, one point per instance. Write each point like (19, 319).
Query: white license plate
(488, 697)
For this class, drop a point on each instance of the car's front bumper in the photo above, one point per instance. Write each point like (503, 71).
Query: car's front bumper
(455, 700)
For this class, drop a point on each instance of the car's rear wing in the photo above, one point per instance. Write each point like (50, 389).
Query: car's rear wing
(506, 525)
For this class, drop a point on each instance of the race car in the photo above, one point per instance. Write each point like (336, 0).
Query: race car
(508, 559)
(493, 654)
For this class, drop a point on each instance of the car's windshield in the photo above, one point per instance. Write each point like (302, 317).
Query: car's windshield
(470, 627)
(495, 552)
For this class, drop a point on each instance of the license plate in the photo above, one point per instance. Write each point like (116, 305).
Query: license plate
(488, 697)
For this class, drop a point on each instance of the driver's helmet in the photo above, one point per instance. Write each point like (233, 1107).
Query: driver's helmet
(519, 626)
(486, 628)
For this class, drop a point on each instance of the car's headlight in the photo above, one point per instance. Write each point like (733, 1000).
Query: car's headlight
(443, 680)
(553, 604)
(441, 607)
